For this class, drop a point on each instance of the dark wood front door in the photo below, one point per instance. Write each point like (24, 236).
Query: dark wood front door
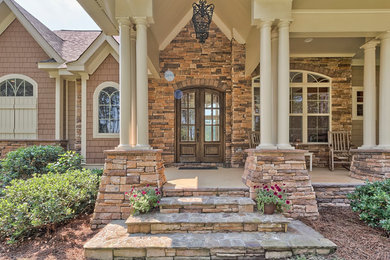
(199, 126)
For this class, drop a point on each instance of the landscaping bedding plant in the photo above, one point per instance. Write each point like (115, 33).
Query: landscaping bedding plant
(143, 200)
(272, 194)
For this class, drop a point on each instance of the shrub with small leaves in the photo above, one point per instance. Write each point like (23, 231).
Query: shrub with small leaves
(69, 160)
(144, 200)
(26, 161)
(372, 202)
(41, 202)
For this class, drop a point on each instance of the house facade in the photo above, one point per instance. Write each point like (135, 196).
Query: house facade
(197, 102)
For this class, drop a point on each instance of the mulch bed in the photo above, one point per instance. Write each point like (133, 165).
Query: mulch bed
(355, 240)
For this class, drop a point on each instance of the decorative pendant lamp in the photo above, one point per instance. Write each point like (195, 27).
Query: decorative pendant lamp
(203, 13)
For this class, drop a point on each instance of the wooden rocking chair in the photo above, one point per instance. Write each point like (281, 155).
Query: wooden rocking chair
(339, 149)
(254, 139)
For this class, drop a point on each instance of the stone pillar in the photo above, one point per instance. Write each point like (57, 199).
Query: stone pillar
(142, 83)
(282, 167)
(122, 171)
(384, 93)
(370, 164)
(274, 63)
(369, 108)
(265, 87)
(124, 84)
(284, 85)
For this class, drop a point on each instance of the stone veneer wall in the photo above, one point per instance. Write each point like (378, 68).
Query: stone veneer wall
(333, 195)
(283, 166)
(219, 63)
(370, 164)
(7, 146)
(122, 171)
(320, 154)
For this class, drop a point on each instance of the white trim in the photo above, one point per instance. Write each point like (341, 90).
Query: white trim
(340, 11)
(6, 22)
(238, 37)
(222, 26)
(67, 110)
(95, 120)
(326, 55)
(58, 108)
(176, 30)
(254, 85)
(355, 89)
(84, 78)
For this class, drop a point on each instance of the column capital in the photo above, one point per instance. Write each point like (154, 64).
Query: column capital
(265, 23)
(124, 21)
(140, 20)
(284, 23)
(383, 36)
(370, 45)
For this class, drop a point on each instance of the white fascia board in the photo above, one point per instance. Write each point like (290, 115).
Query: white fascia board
(49, 65)
(76, 67)
(34, 33)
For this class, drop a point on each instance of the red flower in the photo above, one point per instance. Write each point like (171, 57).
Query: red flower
(267, 189)
(287, 202)
(143, 192)
(156, 189)
(157, 193)
(280, 196)
(158, 202)
(284, 190)
(265, 186)
(135, 195)
(147, 185)
(126, 193)
(275, 193)
(284, 184)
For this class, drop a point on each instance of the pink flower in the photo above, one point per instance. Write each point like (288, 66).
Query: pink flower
(267, 189)
(135, 195)
(143, 192)
(156, 189)
(280, 196)
(126, 193)
(275, 193)
(158, 202)
(272, 187)
(287, 202)
(147, 185)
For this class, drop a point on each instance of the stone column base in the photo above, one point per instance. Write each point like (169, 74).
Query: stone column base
(122, 171)
(283, 166)
(370, 164)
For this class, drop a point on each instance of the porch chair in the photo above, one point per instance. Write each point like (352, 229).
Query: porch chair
(254, 139)
(339, 143)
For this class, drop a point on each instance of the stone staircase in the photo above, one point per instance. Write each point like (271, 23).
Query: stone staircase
(206, 227)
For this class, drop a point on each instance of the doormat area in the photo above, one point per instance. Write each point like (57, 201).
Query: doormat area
(198, 168)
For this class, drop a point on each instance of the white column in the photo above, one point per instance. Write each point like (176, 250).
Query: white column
(274, 63)
(124, 84)
(133, 87)
(369, 107)
(84, 78)
(283, 85)
(384, 93)
(58, 108)
(142, 83)
(265, 87)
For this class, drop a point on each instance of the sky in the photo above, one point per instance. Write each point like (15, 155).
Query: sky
(59, 14)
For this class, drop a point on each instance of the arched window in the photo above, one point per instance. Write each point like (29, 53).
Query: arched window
(18, 107)
(106, 110)
(310, 106)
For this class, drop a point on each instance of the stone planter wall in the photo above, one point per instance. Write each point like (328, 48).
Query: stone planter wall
(122, 171)
(333, 195)
(283, 166)
(372, 164)
(7, 146)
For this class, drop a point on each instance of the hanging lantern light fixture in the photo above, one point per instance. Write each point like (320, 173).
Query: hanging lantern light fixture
(203, 13)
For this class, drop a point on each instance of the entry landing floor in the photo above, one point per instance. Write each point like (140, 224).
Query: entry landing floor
(231, 178)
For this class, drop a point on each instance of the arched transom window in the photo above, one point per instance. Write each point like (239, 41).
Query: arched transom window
(310, 106)
(106, 110)
(18, 107)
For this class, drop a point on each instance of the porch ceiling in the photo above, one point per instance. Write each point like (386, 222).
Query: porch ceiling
(338, 27)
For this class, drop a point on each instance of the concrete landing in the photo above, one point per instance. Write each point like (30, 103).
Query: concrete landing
(113, 242)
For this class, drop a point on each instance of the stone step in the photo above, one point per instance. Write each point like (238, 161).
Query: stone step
(157, 223)
(113, 242)
(206, 204)
(172, 191)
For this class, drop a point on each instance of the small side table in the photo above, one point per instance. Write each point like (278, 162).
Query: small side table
(311, 160)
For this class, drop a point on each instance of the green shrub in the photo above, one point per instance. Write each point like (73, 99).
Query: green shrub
(70, 160)
(372, 202)
(38, 203)
(26, 161)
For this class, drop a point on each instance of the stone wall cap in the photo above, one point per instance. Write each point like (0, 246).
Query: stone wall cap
(370, 150)
(275, 151)
(336, 185)
(133, 151)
